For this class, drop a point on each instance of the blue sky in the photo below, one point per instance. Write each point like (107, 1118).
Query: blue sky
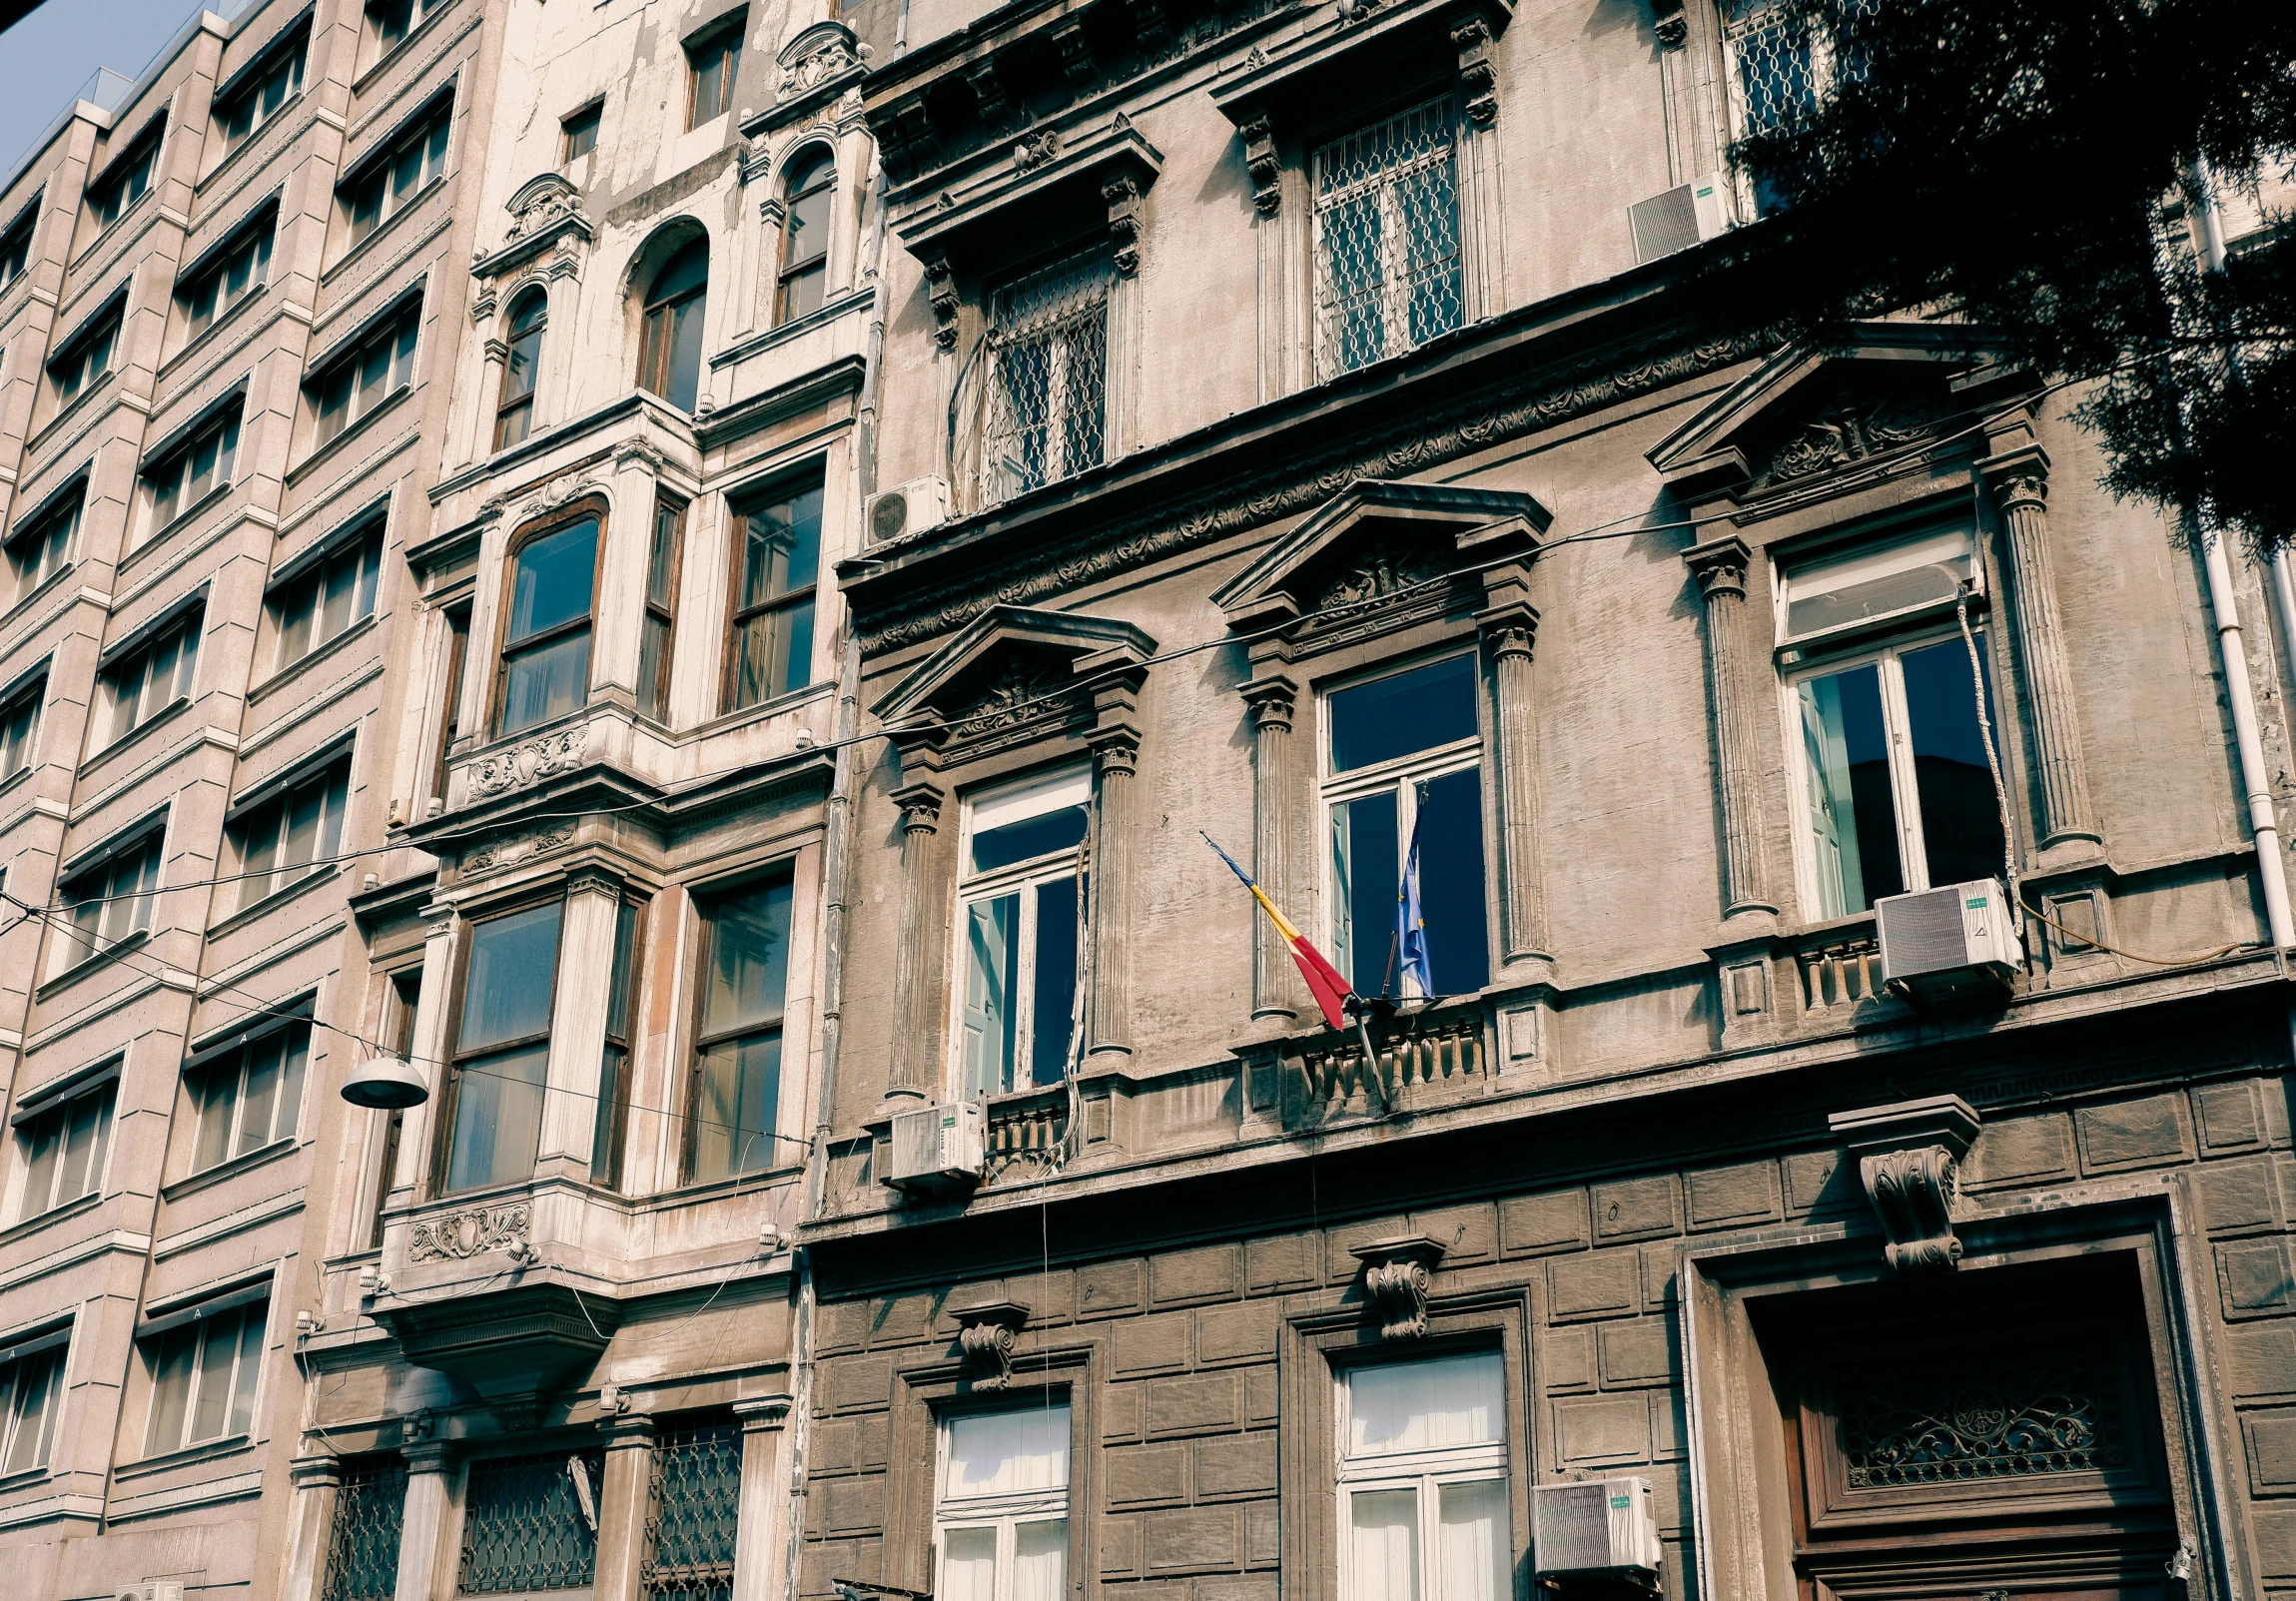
(45, 58)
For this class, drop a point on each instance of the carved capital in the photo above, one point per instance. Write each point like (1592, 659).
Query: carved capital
(985, 1341)
(1908, 1159)
(1478, 74)
(941, 289)
(1122, 195)
(637, 454)
(1116, 750)
(1721, 567)
(1397, 1274)
(1510, 632)
(2022, 489)
(1272, 701)
(920, 808)
(1264, 165)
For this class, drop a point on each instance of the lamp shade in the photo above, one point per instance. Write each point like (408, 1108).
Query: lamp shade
(386, 1081)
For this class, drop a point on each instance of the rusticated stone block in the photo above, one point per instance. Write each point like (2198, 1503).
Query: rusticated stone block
(1599, 1429)
(2254, 1275)
(2271, 1451)
(1640, 1352)
(1669, 1426)
(1660, 1265)
(861, 1381)
(1146, 1476)
(1602, 1284)
(1263, 1394)
(1108, 1286)
(1637, 1208)
(1819, 1184)
(1467, 1233)
(1262, 1535)
(1209, 1272)
(1120, 1545)
(1531, 1225)
(2133, 1134)
(1121, 1411)
(853, 1505)
(1235, 1333)
(904, 1319)
(1236, 1465)
(1567, 1358)
(1288, 1262)
(1151, 1345)
(1199, 1539)
(2260, 1360)
(2230, 1116)
(2234, 1195)
(1194, 1405)
(2020, 1149)
(841, 1325)
(1244, 1587)
(1733, 1197)
(2275, 1532)
(1339, 1265)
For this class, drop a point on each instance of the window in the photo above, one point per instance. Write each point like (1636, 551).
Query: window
(152, 678)
(1422, 1481)
(394, 20)
(1778, 72)
(777, 559)
(713, 62)
(669, 350)
(1000, 1515)
(1402, 758)
(193, 471)
(581, 132)
(737, 1056)
(363, 1541)
(1387, 226)
(16, 244)
(250, 1097)
(86, 357)
(204, 1378)
(110, 899)
(31, 1390)
(514, 413)
(807, 193)
(502, 1050)
(20, 728)
(654, 646)
(272, 86)
(400, 1004)
(64, 1147)
(124, 182)
(1895, 791)
(326, 599)
(236, 273)
(1047, 375)
(531, 1523)
(1020, 907)
(612, 1112)
(292, 834)
(41, 545)
(381, 365)
(546, 647)
(450, 703)
(693, 1508)
(383, 188)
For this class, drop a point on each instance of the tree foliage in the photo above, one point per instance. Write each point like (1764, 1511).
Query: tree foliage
(2031, 167)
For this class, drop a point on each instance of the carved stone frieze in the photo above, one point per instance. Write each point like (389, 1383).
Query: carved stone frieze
(460, 1235)
(1384, 566)
(1029, 691)
(559, 491)
(505, 849)
(1909, 1159)
(1398, 1275)
(1848, 429)
(529, 761)
(985, 1341)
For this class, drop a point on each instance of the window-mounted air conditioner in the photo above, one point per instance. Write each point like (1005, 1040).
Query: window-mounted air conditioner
(907, 508)
(1676, 219)
(1594, 1526)
(938, 1148)
(1957, 942)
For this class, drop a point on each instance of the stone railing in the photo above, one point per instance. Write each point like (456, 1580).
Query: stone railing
(1427, 1057)
(1841, 973)
(1027, 1133)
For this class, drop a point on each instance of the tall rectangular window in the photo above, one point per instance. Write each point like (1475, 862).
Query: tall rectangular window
(183, 479)
(1422, 1481)
(274, 83)
(736, 1099)
(110, 901)
(1403, 758)
(398, 1005)
(20, 727)
(394, 20)
(777, 558)
(250, 1096)
(656, 642)
(546, 642)
(502, 1047)
(16, 243)
(63, 1148)
(124, 180)
(86, 357)
(152, 678)
(450, 699)
(1001, 1507)
(612, 1112)
(531, 1523)
(1048, 380)
(1777, 72)
(381, 365)
(237, 273)
(693, 1514)
(1386, 239)
(326, 599)
(41, 545)
(1021, 911)
(205, 1375)
(383, 188)
(294, 834)
(32, 1394)
(580, 133)
(712, 65)
(363, 1541)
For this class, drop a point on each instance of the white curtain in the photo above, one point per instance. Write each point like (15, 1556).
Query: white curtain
(1041, 1560)
(1004, 1453)
(968, 1565)
(1476, 1551)
(1385, 1534)
(1420, 1406)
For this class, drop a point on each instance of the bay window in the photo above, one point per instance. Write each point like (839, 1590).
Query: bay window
(612, 1114)
(1388, 263)
(1020, 915)
(777, 559)
(205, 1374)
(16, 242)
(546, 640)
(85, 357)
(394, 20)
(1001, 1508)
(1422, 1481)
(243, 110)
(20, 727)
(250, 1094)
(502, 1051)
(736, 1090)
(126, 180)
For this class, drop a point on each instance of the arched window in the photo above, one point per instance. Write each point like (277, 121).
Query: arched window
(514, 413)
(669, 359)
(547, 642)
(805, 235)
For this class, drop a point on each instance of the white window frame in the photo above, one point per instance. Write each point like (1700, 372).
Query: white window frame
(170, 482)
(259, 1312)
(1081, 275)
(1403, 775)
(111, 914)
(1424, 1472)
(47, 537)
(129, 712)
(27, 704)
(106, 1095)
(285, 64)
(222, 1091)
(1004, 1513)
(54, 1353)
(304, 594)
(1019, 879)
(1394, 235)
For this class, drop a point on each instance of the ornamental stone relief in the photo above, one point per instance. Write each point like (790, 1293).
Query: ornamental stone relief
(557, 493)
(529, 762)
(1383, 566)
(1027, 693)
(458, 1235)
(1849, 429)
(504, 849)
(814, 57)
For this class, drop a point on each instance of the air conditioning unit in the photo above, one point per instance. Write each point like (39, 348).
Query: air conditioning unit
(938, 1148)
(1954, 942)
(1594, 1526)
(1677, 219)
(920, 503)
(154, 1590)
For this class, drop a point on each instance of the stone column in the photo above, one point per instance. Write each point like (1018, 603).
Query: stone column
(317, 1479)
(915, 1072)
(628, 532)
(1509, 630)
(764, 266)
(2020, 484)
(490, 398)
(622, 1506)
(423, 1531)
(1720, 569)
(757, 1537)
(578, 1025)
(1271, 699)
(1116, 758)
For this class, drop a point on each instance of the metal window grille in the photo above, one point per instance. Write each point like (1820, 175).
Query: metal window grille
(1047, 376)
(362, 1541)
(1776, 80)
(531, 1523)
(693, 1507)
(1387, 259)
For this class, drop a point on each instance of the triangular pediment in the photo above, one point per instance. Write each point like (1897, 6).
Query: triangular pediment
(1011, 657)
(1376, 537)
(1807, 413)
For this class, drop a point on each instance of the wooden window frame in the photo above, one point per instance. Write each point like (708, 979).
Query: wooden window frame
(705, 901)
(809, 478)
(592, 117)
(522, 403)
(823, 176)
(664, 611)
(656, 356)
(588, 507)
(613, 1119)
(399, 1010)
(726, 37)
(451, 1047)
(457, 618)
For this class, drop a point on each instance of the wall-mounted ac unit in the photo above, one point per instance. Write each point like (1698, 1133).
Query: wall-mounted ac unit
(1594, 1526)
(154, 1590)
(1676, 219)
(938, 1148)
(1957, 942)
(907, 508)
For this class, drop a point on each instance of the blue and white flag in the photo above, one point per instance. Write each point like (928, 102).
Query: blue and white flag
(1410, 922)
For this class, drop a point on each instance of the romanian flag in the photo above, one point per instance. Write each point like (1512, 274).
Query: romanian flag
(1323, 980)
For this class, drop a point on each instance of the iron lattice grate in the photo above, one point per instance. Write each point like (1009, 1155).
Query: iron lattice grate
(1388, 258)
(1047, 376)
(363, 1541)
(693, 1512)
(529, 1524)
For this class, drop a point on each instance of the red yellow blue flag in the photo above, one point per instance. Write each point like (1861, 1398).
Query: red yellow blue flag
(1323, 980)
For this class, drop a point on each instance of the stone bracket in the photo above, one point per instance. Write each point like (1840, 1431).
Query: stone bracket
(985, 1341)
(1908, 1159)
(1396, 1278)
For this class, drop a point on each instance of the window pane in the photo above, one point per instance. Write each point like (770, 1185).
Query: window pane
(1451, 882)
(1853, 815)
(1477, 1554)
(1366, 874)
(250, 1369)
(218, 1096)
(514, 959)
(1005, 1453)
(172, 1366)
(749, 958)
(1037, 819)
(547, 682)
(1405, 712)
(653, 667)
(211, 1390)
(261, 1095)
(1874, 584)
(1041, 1560)
(735, 1109)
(295, 1058)
(44, 1142)
(661, 559)
(968, 1565)
(781, 548)
(84, 1128)
(497, 1119)
(1383, 1544)
(1053, 1021)
(685, 353)
(1960, 814)
(31, 1411)
(773, 654)
(1424, 1406)
(991, 1016)
(552, 584)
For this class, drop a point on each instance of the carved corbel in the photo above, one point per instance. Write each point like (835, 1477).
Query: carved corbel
(1398, 1272)
(1670, 22)
(1075, 51)
(985, 1341)
(1264, 165)
(1123, 197)
(1471, 35)
(1908, 1159)
(919, 143)
(1150, 25)
(770, 211)
(989, 93)
(941, 289)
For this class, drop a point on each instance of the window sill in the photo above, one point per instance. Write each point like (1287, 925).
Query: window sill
(24, 1478)
(319, 453)
(175, 525)
(366, 80)
(89, 964)
(256, 908)
(795, 328)
(229, 1170)
(165, 714)
(315, 654)
(278, 114)
(381, 230)
(17, 777)
(726, 723)
(54, 1215)
(52, 581)
(54, 424)
(212, 331)
(226, 1446)
(114, 225)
